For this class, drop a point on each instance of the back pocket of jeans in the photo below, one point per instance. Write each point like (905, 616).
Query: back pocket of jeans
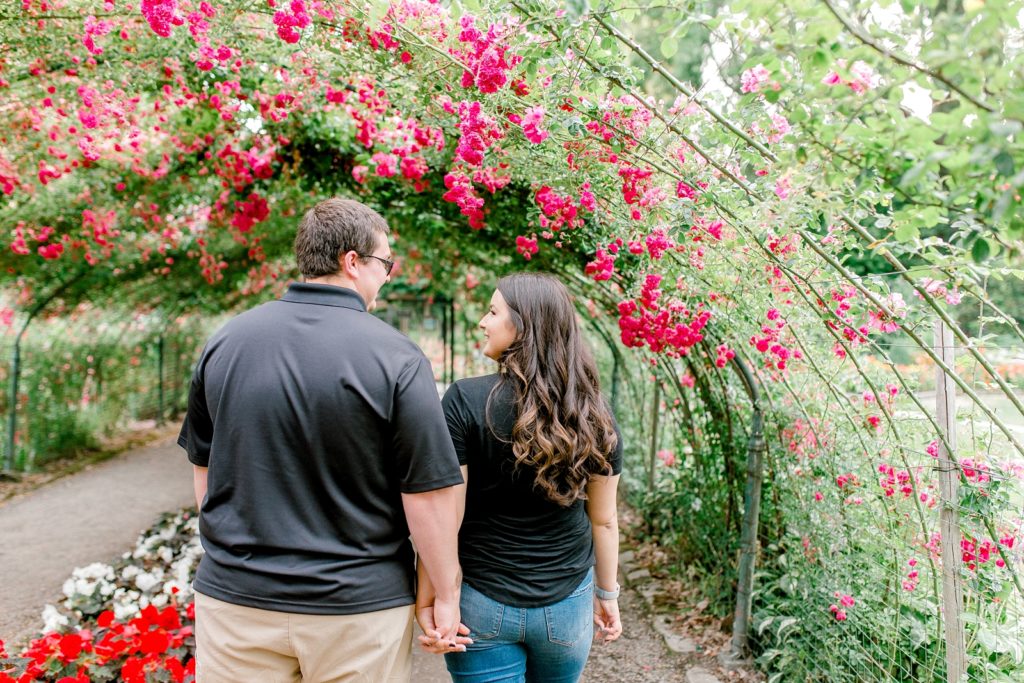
(481, 614)
(569, 620)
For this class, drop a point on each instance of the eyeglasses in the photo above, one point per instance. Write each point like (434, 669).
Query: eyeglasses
(388, 265)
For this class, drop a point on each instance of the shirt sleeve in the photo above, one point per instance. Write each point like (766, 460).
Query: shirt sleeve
(454, 405)
(422, 446)
(616, 456)
(196, 433)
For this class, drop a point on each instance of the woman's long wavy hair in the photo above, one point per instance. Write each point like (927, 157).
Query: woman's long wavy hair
(563, 429)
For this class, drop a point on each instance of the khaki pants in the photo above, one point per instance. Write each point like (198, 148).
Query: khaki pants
(236, 644)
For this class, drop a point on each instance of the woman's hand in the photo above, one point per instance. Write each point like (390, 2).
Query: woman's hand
(431, 640)
(606, 619)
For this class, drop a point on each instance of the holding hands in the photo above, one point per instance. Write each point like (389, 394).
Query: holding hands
(442, 630)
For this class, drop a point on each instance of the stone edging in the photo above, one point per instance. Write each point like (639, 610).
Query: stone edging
(641, 582)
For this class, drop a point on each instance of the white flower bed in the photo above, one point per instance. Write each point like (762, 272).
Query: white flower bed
(162, 564)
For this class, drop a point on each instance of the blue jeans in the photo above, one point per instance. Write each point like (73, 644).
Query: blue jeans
(525, 645)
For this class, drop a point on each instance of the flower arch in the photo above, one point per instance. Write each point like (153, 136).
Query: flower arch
(842, 178)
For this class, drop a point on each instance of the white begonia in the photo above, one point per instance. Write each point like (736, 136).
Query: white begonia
(85, 587)
(96, 570)
(53, 620)
(86, 580)
(125, 610)
(165, 554)
(125, 604)
(177, 588)
(174, 547)
(146, 581)
(182, 569)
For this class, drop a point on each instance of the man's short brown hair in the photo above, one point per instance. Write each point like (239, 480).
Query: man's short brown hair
(332, 228)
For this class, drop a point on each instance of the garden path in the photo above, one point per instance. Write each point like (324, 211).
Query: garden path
(96, 514)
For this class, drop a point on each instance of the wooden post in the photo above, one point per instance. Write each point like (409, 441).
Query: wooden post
(738, 652)
(655, 411)
(949, 517)
(444, 345)
(616, 372)
(161, 410)
(12, 405)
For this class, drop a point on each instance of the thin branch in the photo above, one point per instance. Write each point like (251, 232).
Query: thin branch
(689, 92)
(862, 35)
(654, 110)
(957, 330)
(809, 240)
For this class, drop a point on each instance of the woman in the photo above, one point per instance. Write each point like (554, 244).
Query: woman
(539, 539)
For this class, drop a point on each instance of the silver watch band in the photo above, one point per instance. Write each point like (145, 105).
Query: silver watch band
(606, 595)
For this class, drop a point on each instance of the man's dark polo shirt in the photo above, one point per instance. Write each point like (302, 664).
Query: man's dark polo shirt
(313, 417)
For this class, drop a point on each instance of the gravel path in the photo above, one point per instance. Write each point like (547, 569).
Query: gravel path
(639, 655)
(94, 515)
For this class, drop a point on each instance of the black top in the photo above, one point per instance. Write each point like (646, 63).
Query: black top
(313, 417)
(515, 545)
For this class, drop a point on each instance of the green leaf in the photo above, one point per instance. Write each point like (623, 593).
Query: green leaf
(376, 13)
(1004, 164)
(915, 172)
(1005, 129)
(669, 47)
(980, 250)
(1002, 205)
(784, 624)
(907, 232)
(918, 634)
(576, 9)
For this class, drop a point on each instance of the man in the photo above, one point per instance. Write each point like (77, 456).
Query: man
(319, 446)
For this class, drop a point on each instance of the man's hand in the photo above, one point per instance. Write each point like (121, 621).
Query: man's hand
(446, 617)
(431, 640)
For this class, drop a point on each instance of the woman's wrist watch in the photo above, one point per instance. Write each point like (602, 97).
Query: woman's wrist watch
(602, 594)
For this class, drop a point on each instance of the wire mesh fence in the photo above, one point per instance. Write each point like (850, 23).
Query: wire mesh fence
(88, 376)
